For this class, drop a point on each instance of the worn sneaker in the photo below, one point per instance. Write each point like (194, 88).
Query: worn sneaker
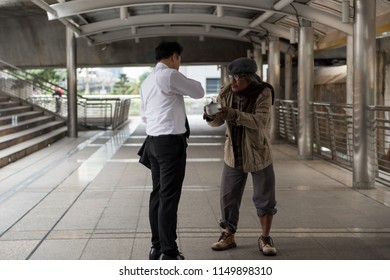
(225, 241)
(266, 246)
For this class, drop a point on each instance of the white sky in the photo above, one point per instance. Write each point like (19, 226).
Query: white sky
(135, 72)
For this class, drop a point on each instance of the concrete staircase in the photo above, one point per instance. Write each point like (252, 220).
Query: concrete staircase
(24, 129)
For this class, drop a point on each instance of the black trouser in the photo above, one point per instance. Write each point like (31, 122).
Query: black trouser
(167, 155)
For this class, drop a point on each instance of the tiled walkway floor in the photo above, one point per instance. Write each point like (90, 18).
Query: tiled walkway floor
(87, 198)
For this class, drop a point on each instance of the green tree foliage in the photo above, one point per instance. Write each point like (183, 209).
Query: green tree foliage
(54, 76)
(143, 77)
(138, 83)
(123, 86)
(45, 79)
(129, 86)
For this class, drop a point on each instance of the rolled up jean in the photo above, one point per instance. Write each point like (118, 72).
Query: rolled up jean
(232, 188)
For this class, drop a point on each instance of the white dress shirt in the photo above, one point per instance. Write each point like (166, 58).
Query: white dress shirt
(162, 100)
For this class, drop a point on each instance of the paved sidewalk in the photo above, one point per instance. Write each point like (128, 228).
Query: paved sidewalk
(87, 198)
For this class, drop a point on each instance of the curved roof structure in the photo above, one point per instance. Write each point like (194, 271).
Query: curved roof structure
(103, 22)
(122, 32)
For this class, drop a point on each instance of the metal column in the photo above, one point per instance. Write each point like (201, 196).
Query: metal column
(350, 71)
(224, 75)
(274, 80)
(349, 93)
(258, 57)
(364, 94)
(305, 90)
(71, 62)
(287, 76)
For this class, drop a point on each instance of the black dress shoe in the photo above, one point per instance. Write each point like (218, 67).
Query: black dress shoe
(154, 253)
(178, 257)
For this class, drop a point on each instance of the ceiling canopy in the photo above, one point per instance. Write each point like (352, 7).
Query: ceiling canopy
(103, 22)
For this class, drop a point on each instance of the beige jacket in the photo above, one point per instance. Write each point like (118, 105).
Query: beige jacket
(256, 143)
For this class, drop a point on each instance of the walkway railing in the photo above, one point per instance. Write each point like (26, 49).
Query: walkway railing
(97, 112)
(105, 112)
(332, 133)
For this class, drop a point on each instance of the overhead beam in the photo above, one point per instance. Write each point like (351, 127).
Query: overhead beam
(175, 31)
(125, 34)
(266, 15)
(43, 5)
(64, 10)
(72, 8)
(183, 19)
(316, 15)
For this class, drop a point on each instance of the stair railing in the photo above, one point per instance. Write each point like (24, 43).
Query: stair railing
(99, 112)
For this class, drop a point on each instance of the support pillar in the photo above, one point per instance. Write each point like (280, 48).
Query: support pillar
(287, 76)
(305, 91)
(349, 93)
(274, 80)
(364, 45)
(258, 57)
(350, 70)
(71, 65)
(224, 75)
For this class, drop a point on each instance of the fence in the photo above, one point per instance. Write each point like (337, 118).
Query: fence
(105, 112)
(332, 133)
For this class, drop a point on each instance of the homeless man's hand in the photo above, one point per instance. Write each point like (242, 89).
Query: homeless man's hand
(227, 113)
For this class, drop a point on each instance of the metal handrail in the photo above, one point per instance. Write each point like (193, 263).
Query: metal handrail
(107, 112)
(333, 133)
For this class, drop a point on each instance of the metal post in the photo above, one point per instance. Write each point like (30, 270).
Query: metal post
(71, 62)
(305, 90)
(287, 76)
(224, 75)
(274, 80)
(364, 94)
(349, 99)
(350, 71)
(258, 57)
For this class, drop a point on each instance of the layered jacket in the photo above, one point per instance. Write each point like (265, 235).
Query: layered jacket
(256, 142)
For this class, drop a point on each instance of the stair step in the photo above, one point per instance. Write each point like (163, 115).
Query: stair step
(24, 124)
(9, 104)
(24, 129)
(4, 98)
(21, 117)
(21, 136)
(14, 110)
(21, 150)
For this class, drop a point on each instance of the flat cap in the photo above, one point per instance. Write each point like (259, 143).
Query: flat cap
(242, 65)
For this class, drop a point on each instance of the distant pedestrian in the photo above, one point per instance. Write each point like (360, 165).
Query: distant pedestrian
(58, 99)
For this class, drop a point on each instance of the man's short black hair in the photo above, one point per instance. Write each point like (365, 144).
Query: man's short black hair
(166, 49)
